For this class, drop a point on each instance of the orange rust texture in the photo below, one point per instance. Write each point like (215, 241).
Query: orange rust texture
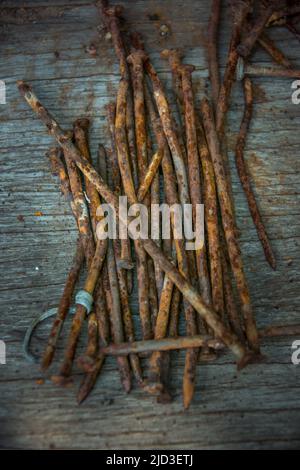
(277, 55)
(58, 169)
(194, 174)
(113, 180)
(125, 256)
(244, 176)
(212, 49)
(80, 314)
(63, 307)
(123, 159)
(240, 13)
(244, 49)
(229, 224)
(190, 293)
(80, 209)
(80, 129)
(211, 221)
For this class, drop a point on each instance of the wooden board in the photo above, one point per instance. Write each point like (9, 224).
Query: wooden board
(45, 43)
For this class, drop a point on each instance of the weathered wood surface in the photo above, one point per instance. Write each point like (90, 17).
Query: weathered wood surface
(257, 408)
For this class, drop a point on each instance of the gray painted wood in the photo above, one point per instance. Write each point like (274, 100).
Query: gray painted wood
(257, 408)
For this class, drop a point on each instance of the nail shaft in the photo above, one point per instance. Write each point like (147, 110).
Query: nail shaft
(229, 224)
(212, 49)
(142, 269)
(244, 49)
(244, 176)
(63, 307)
(164, 344)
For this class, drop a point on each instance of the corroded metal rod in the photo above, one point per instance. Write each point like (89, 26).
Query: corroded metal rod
(257, 71)
(111, 17)
(78, 260)
(277, 55)
(149, 175)
(244, 49)
(125, 259)
(80, 315)
(116, 311)
(162, 344)
(185, 342)
(58, 169)
(211, 220)
(123, 291)
(179, 164)
(190, 293)
(89, 380)
(123, 158)
(194, 175)
(244, 176)
(240, 13)
(63, 307)
(80, 209)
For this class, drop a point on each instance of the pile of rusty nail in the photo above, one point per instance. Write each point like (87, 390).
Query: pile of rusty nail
(148, 148)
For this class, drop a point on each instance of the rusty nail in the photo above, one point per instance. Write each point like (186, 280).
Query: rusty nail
(240, 13)
(212, 49)
(162, 344)
(244, 177)
(229, 224)
(190, 293)
(58, 169)
(244, 49)
(63, 307)
(244, 70)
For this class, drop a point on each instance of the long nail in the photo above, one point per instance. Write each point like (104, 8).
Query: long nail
(244, 49)
(80, 314)
(194, 171)
(170, 134)
(190, 293)
(63, 307)
(163, 344)
(58, 169)
(81, 128)
(212, 49)
(150, 175)
(211, 220)
(123, 159)
(174, 57)
(244, 70)
(240, 13)
(123, 293)
(244, 177)
(116, 311)
(186, 342)
(125, 259)
(277, 55)
(229, 224)
(80, 209)
(229, 300)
